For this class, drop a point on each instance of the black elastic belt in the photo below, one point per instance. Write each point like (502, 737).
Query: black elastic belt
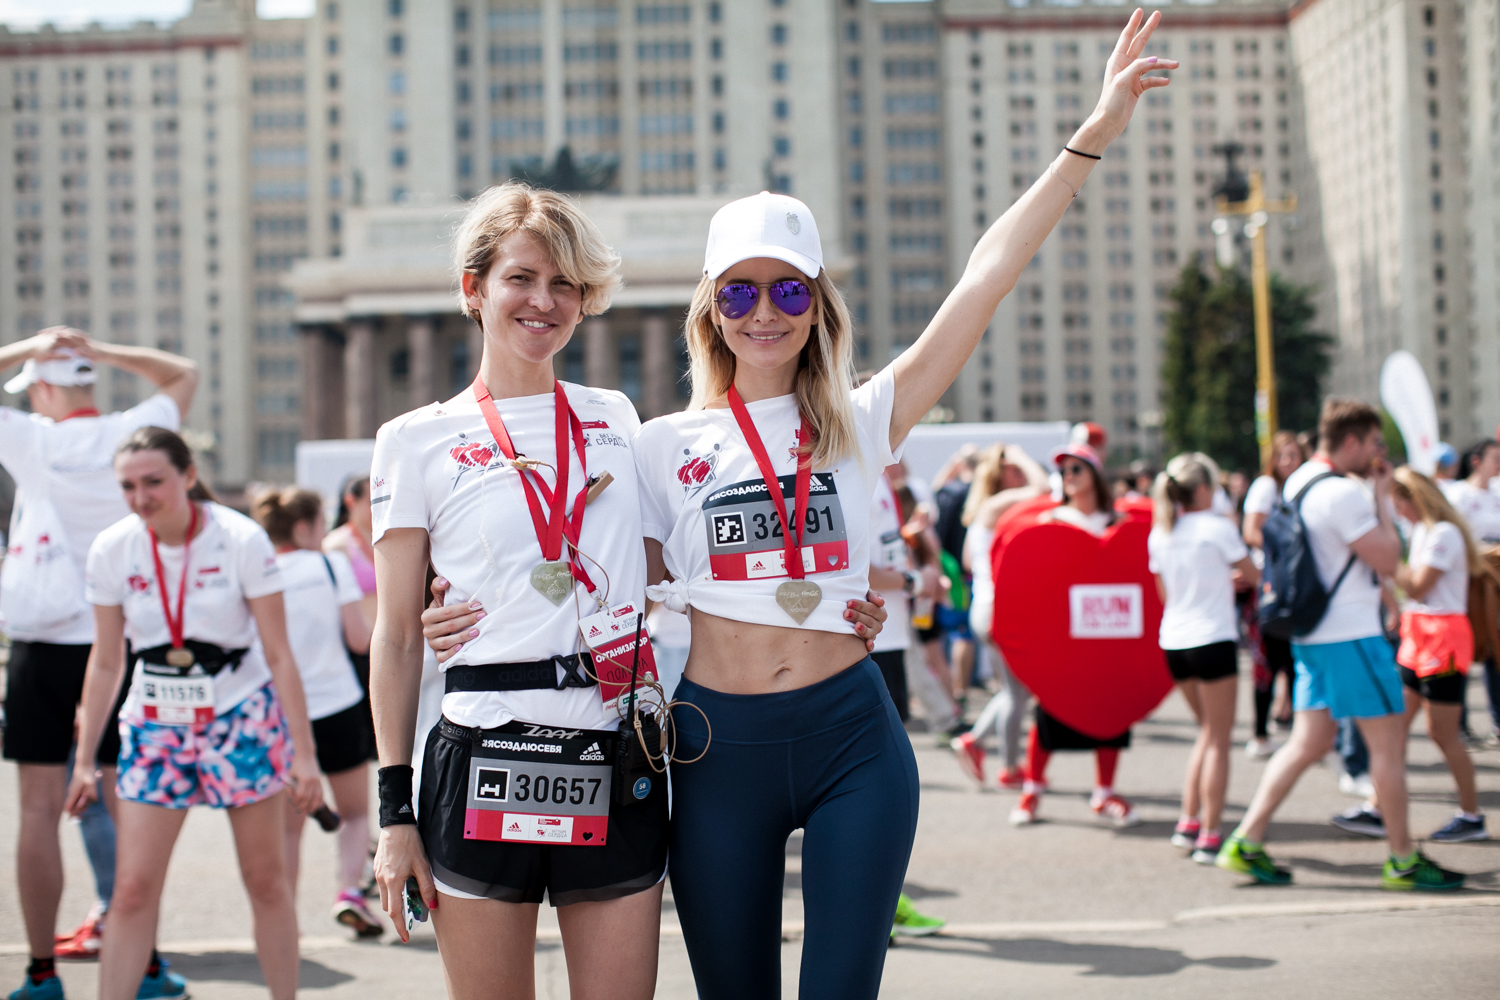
(538, 676)
(210, 657)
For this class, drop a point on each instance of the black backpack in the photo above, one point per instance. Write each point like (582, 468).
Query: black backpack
(1292, 598)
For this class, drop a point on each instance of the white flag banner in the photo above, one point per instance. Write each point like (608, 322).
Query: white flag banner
(1408, 399)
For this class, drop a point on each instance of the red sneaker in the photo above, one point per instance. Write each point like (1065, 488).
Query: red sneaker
(82, 944)
(1011, 777)
(970, 755)
(1024, 814)
(1116, 809)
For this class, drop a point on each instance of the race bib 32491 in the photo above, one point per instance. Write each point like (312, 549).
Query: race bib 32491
(744, 533)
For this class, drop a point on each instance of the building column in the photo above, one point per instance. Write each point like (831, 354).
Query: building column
(420, 337)
(322, 384)
(600, 360)
(359, 380)
(658, 365)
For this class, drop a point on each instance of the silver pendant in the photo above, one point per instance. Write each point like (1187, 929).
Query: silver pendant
(799, 598)
(553, 580)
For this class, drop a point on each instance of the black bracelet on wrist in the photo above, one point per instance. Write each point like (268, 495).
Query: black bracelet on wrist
(395, 796)
(1089, 156)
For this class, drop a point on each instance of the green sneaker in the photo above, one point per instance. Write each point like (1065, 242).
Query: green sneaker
(910, 923)
(1422, 875)
(1233, 857)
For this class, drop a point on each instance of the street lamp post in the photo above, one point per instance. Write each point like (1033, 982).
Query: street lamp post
(1252, 203)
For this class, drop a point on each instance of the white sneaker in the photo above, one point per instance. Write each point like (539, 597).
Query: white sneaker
(1356, 786)
(1259, 749)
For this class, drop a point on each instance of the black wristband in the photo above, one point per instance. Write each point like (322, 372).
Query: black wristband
(1090, 156)
(395, 796)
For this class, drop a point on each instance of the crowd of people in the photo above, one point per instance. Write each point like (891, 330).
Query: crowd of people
(591, 654)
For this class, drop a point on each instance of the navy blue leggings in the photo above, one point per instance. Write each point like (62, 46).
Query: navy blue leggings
(832, 759)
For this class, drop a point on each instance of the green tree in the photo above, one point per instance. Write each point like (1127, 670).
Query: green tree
(1208, 373)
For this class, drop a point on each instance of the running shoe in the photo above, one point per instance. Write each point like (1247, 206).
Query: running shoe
(1259, 749)
(162, 986)
(1011, 778)
(83, 944)
(48, 989)
(1357, 786)
(1024, 814)
(1116, 809)
(1234, 857)
(910, 923)
(1360, 819)
(1423, 876)
(1460, 830)
(1206, 848)
(351, 910)
(1186, 833)
(969, 753)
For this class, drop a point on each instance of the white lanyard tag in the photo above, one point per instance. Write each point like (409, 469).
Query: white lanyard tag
(171, 699)
(610, 634)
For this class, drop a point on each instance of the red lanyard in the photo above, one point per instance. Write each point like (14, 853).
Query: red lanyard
(174, 628)
(793, 547)
(550, 529)
(87, 411)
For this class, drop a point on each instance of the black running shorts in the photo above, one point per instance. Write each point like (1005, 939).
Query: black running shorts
(1205, 663)
(1443, 689)
(44, 682)
(345, 739)
(633, 858)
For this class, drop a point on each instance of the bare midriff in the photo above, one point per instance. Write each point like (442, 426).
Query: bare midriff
(737, 657)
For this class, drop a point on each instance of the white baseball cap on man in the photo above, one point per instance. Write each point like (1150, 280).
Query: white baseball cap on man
(70, 370)
(763, 225)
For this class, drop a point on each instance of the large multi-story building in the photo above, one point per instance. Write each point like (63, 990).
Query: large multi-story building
(168, 179)
(159, 189)
(1080, 336)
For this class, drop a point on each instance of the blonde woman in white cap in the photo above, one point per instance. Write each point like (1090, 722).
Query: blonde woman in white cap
(756, 505)
(61, 456)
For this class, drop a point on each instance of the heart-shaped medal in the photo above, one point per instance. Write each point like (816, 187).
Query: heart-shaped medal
(798, 598)
(553, 580)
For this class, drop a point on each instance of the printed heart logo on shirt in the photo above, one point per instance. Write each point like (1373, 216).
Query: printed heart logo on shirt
(472, 455)
(1099, 686)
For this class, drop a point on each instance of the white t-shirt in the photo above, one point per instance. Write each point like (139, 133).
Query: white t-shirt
(231, 561)
(1261, 497)
(78, 454)
(315, 627)
(703, 497)
(1481, 508)
(438, 468)
(1442, 546)
(1338, 511)
(888, 551)
(1095, 524)
(982, 603)
(1194, 561)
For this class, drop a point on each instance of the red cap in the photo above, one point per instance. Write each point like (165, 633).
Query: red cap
(1089, 433)
(1080, 451)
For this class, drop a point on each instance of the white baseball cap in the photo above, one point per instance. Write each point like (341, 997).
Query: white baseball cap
(764, 225)
(70, 370)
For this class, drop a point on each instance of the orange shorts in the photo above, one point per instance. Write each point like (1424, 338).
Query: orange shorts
(1435, 644)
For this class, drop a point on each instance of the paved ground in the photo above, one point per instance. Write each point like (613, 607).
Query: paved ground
(1066, 908)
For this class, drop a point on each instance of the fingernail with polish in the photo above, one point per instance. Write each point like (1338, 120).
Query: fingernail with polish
(473, 633)
(479, 616)
(1152, 60)
(441, 582)
(458, 647)
(475, 605)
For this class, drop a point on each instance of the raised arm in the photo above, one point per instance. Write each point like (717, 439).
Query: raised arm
(924, 372)
(173, 375)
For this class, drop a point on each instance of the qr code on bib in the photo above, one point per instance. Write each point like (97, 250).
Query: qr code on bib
(729, 529)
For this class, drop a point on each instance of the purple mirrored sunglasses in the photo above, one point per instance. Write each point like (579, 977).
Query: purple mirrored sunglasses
(791, 296)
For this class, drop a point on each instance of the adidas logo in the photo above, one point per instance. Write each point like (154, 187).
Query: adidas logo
(404, 810)
(592, 753)
(513, 828)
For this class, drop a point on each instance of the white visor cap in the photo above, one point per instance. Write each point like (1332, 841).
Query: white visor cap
(763, 225)
(72, 370)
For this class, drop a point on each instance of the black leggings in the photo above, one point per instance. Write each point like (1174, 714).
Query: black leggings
(1278, 661)
(832, 759)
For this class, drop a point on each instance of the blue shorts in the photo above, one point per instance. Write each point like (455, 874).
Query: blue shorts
(955, 623)
(1357, 679)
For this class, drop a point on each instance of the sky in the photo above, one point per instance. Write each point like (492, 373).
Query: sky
(29, 14)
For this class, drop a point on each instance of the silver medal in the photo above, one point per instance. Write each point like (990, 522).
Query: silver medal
(798, 598)
(553, 580)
